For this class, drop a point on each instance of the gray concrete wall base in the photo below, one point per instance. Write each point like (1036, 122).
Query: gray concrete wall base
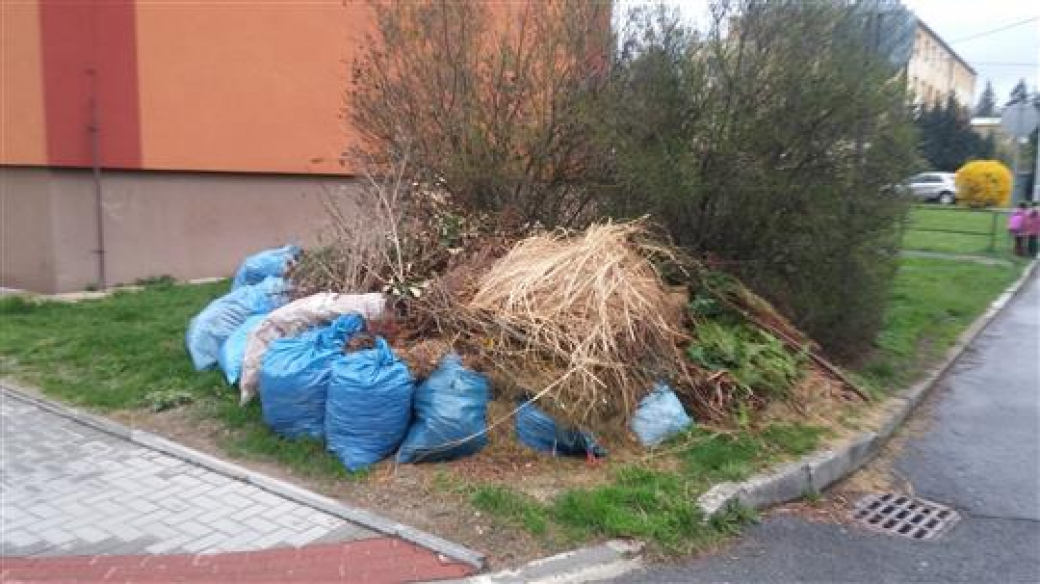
(182, 224)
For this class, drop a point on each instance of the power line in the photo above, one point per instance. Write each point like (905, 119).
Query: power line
(1004, 64)
(996, 30)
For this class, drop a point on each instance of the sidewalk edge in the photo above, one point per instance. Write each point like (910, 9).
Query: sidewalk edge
(275, 486)
(594, 563)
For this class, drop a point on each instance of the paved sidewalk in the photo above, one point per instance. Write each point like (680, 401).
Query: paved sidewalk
(71, 490)
(961, 257)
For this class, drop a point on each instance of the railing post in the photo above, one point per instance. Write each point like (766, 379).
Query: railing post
(993, 231)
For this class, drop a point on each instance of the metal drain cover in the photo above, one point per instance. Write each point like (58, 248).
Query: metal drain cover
(910, 517)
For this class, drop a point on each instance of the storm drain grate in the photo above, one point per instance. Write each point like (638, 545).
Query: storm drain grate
(909, 517)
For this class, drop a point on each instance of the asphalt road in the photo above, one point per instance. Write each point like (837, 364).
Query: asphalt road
(979, 453)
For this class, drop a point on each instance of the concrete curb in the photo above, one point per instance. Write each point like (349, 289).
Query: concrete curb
(272, 485)
(81, 295)
(590, 564)
(815, 472)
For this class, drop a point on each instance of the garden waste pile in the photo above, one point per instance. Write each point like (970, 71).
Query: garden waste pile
(586, 340)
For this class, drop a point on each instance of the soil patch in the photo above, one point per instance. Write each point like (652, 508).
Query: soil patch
(432, 497)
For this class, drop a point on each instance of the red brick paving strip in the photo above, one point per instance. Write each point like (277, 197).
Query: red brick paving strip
(375, 560)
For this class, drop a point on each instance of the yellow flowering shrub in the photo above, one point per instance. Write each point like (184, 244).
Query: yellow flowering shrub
(984, 183)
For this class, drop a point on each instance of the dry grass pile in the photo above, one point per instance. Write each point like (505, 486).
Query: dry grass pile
(581, 322)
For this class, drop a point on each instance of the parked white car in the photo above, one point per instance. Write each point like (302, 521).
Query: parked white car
(934, 186)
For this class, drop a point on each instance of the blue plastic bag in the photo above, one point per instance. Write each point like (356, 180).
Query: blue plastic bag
(659, 416)
(369, 406)
(233, 351)
(211, 327)
(450, 415)
(538, 430)
(294, 377)
(264, 264)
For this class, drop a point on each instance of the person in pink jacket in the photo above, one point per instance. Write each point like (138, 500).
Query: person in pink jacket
(1016, 228)
(1031, 227)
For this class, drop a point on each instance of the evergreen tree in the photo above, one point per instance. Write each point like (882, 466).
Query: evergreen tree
(947, 140)
(987, 106)
(987, 148)
(1019, 94)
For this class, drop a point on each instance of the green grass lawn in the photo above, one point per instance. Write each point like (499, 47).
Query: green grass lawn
(981, 222)
(110, 353)
(126, 352)
(932, 301)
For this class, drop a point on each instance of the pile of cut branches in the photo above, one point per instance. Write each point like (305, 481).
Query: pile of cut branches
(388, 233)
(583, 323)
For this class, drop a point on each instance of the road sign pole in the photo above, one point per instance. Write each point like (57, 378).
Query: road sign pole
(1014, 171)
(1036, 171)
(1019, 120)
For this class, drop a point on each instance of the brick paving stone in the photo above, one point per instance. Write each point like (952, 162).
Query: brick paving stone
(168, 544)
(71, 489)
(80, 505)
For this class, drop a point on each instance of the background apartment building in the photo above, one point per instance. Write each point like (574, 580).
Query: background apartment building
(934, 70)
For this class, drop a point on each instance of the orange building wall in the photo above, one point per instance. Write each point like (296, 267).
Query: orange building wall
(188, 86)
(90, 83)
(233, 87)
(23, 133)
(251, 86)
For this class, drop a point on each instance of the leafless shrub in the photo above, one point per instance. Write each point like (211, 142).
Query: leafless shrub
(362, 250)
(491, 99)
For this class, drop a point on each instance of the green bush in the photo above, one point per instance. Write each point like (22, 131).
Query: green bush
(768, 147)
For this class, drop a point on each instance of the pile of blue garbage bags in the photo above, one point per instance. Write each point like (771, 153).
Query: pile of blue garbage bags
(364, 403)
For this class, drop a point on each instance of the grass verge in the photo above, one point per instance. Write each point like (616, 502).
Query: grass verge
(125, 352)
(932, 301)
(113, 353)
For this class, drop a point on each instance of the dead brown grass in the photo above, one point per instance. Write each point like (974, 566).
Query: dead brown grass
(582, 323)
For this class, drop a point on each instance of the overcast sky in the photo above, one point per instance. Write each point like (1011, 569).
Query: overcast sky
(1001, 56)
